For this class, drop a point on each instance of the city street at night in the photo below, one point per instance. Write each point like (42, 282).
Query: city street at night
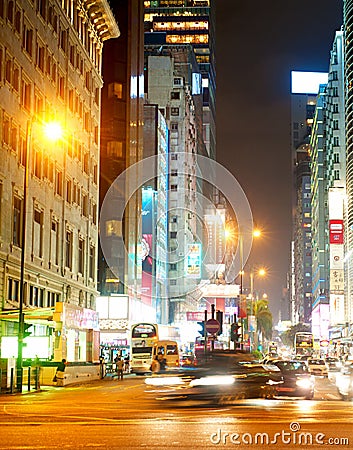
(111, 414)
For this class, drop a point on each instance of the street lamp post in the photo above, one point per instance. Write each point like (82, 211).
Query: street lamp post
(53, 132)
(21, 321)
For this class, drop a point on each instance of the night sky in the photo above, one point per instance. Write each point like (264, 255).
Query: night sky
(258, 43)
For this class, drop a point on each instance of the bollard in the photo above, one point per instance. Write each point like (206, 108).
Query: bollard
(36, 385)
(29, 378)
(11, 380)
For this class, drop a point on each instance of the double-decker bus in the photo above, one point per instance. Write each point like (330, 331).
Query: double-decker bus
(304, 343)
(144, 337)
(147, 341)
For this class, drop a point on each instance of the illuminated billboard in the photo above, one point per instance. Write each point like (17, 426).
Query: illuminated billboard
(193, 261)
(307, 82)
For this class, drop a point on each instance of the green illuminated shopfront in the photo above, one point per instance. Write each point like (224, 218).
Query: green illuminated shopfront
(51, 334)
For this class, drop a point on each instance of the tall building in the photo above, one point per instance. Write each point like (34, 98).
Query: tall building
(50, 68)
(336, 186)
(305, 86)
(348, 69)
(121, 148)
(319, 213)
(171, 22)
(172, 84)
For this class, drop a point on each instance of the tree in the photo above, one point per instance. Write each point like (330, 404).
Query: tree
(287, 337)
(264, 321)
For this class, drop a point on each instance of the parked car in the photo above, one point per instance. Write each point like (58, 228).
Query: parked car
(317, 367)
(297, 380)
(344, 382)
(333, 363)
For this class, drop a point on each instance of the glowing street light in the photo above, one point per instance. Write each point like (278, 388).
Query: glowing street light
(51, 130)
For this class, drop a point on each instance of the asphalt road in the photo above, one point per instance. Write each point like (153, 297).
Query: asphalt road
(108, 414)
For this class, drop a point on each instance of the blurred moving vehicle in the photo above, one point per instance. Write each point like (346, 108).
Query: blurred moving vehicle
(317, 367)
(221, 380)
(333, 363)
(297, 380)
(188, 361)
(344, 382)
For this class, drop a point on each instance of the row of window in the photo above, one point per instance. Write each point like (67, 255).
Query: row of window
(20, 82)
(47, 12)
(39, 297)
(74, 256)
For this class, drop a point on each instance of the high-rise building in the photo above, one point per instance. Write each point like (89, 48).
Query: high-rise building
(171, 22)
(305, 86)
(172, 84)
(121, 148)
(348, 70)
(319, 213)
(50, 68)
(336, 186)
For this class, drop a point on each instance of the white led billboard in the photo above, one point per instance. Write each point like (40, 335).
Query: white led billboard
(307, 82)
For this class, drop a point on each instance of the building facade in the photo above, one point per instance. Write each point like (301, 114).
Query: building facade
(50, 68)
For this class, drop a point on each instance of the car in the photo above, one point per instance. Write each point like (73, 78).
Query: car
(334, 364)
(188, 361)
(221, 380)
(317, 366)
(344, 382)
(297, 380)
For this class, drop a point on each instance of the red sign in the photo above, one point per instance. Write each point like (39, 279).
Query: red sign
(212, 326)
(336, 231)
(195, 316)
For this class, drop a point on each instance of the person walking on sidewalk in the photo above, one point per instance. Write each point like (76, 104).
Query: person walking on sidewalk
(120, 368)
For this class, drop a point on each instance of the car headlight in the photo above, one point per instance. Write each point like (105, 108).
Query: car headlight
(222, 380)
(305, 383)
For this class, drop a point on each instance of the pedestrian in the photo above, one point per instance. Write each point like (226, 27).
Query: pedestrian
(102, 369)
(127, 363)
(36, 366)
(162, 362)
(60, 373)
(120, 368)
(155, 366)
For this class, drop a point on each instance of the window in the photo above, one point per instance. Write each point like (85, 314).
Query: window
(54, 242)
(115, 90)
(115, 149)
(336, 158)
(27, 39)
(91, 261)
(174, 187)
(174, 156)
(177, 82)
(174, 172)
(174, 126)
(174, 111)
(68, 249)
(59, 183)
(173, 266)
(69, 191)
(81, 255)
(13, 289)
(17, 221)
(173, 282)
(38, 164)
(37, 241)
(173, 234)
(175, 95)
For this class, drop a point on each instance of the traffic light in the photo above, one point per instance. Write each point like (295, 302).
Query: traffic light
(234, 336)
(219, 317)
(201, 329)
(26, 327)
